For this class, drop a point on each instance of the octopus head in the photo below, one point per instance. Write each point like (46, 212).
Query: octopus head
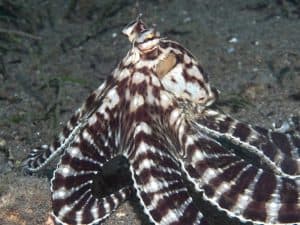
(177, 69)
(144, 39)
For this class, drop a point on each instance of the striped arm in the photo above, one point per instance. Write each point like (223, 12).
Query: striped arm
(75, 191)
(287, 143)
(280, 151)
(94, 210)
(237, 187)
(41, 156)
(77, 196)
(158, 181)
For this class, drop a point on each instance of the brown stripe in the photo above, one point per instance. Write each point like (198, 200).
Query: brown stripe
(70, 181)
(256, 211)
(146, 199)
(209, 190)
(168, 203)
(209, 146)
(101, 210)
(268, 149)
(106, 151)
(229, 198)
(70, 216)
(288, 192)
(148, 139)
(139, 88)
(221, 161)
(200, 167)
(35, 163)
(79, 164)
(241, 131)
(225, 125)
(87, 215)
(66, 131)
(191, 151)
(264, 187)
(160, 160)
(57, 204)
(196, 173)
(189, 216)
(228, 174)
(146, 174)
(89, 151)
(142, 115)
(170, 188)
(204, 74)
(46, 154)
(289, 166)
(261, 130)
(90, 101)
(209, 121)
(296, 142)
(289, 211)
(56, 143)
(281, 142)
(74, 120)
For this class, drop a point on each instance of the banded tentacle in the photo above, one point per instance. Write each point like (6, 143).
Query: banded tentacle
(41, 156)
(75, 191)
(280, 151)
(158, 180)
(232, 183)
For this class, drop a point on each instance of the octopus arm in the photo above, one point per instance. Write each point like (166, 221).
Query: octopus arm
(235, 185)
(41, 156)
(79, 195)
(158, 181)
(279, 151)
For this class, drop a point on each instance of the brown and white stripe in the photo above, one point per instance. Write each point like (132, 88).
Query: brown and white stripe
(238, 187)
(159, 183)
(279, 151)
(41, 156)
(73, 197)
(138, 113)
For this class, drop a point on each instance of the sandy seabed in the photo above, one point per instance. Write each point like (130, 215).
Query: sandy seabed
(250, 49)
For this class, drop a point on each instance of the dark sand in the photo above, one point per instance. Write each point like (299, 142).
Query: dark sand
(250, 49)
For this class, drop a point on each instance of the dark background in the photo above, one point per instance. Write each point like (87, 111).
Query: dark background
(53, 53)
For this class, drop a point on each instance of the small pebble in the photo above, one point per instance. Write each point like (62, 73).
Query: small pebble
(187, 19)
(231, 50)
(233, 40)
(114, 35)
(2, 144)
(120, 214)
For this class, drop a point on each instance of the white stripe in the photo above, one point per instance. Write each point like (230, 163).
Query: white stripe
(245, 198)
(142, 127)
(225, 186)
(159, 196)
(247, 146)
(274, 204)
(95, 209)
